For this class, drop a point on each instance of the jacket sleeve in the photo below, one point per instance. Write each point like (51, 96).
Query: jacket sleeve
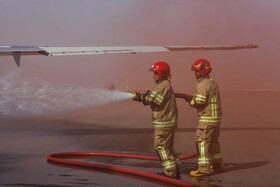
(200, 97)
(156, 97)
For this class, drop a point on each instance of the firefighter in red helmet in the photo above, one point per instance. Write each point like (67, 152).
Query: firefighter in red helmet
(207, 101)
(165, 118)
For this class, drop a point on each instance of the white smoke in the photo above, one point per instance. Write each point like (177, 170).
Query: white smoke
(20, 97)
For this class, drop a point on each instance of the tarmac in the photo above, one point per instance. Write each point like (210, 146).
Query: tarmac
(249, 140)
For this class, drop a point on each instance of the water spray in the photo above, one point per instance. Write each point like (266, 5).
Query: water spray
(21, 97)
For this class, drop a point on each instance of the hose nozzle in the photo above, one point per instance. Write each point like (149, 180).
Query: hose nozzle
(134, 94)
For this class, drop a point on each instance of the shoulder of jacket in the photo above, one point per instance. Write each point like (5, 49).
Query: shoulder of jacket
(203, 84)
(206, 81)
(165, 83)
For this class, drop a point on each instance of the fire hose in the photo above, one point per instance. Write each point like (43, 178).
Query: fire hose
(61, 158)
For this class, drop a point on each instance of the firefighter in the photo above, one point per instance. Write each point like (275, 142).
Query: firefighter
(165, 118)
(207, 101)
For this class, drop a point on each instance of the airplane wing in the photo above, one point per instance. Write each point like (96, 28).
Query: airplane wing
(16, 50)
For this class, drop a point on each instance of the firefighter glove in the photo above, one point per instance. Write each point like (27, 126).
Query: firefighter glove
(188, 99)
(143, 97)
(145, 94)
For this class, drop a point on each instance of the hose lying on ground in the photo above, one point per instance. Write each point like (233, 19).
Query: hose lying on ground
(60, 158)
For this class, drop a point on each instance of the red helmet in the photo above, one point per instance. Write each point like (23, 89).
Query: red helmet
(162, 68)
(202, 66)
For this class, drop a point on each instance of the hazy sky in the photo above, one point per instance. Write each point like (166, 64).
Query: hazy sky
(145, 22)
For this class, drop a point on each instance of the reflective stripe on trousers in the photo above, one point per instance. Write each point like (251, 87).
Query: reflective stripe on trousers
(171, 164)
(216, 156)
(203, 158)
(210, 119)
(164, 124)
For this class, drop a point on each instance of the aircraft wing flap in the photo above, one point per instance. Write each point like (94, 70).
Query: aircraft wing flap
(60, 51)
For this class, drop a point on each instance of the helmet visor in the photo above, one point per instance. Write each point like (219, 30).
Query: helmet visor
(152, 69)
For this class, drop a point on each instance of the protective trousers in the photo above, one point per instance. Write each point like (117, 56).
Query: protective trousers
(209, 150)
(163, 144)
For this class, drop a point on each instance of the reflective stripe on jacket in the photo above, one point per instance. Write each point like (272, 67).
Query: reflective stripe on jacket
(207, 94)
(165, 112)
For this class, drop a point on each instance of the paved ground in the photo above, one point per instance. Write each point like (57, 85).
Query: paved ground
(249, 138)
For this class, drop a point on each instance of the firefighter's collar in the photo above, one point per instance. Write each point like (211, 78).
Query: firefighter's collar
(161, 80)
(202, 78)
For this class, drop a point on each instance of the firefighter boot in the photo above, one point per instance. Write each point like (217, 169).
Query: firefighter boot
(178, 177)
(174, 172)
(197, 173)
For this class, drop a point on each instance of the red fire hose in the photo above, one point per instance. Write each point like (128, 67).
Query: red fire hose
(61, 159)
